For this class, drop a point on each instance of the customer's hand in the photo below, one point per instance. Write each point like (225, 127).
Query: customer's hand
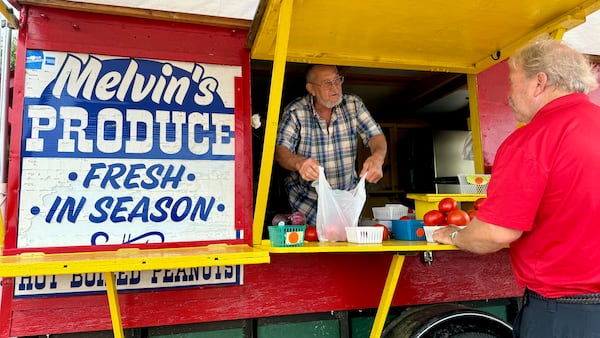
(442, 235)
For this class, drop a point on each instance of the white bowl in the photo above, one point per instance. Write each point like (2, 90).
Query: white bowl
(430, 229)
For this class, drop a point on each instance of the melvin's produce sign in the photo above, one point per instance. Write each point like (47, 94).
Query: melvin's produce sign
(125, 150)
(119, 150)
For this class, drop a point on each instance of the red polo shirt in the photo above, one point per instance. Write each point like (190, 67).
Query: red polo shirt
(546, 182)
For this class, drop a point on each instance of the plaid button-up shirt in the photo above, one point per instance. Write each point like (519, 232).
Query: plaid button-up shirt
(335, 147)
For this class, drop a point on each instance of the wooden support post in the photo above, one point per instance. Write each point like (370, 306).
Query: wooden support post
(388, 293)
(113, 304)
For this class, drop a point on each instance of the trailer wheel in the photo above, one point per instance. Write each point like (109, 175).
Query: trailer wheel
(446, 320)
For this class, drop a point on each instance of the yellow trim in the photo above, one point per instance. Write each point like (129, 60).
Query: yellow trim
(558, 34)
(109, 262)
(9, 16)
(388, 293)
(275, 94)
(475, 124)
(385, 246)
(37, 264)
(2, 232)
(113, 304)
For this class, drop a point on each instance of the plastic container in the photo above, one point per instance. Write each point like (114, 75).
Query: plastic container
(401, 209)
(388, 213)
(430, 229)
(473, 183)
(364, 234)
(408, 230)
(287, 235)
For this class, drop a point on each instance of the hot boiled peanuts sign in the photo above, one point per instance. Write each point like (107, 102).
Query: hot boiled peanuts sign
(120, 150)
(124, 150)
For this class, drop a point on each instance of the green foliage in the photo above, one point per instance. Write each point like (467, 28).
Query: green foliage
(13, 49)
(13, 52)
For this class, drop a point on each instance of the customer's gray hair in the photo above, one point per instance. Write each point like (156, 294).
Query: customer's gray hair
(565, 68)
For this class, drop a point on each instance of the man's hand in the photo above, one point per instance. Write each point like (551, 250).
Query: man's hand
(478, 237)
(373, 168)
(442, 235)
(374, 163)
(309, 170)
(306, 167)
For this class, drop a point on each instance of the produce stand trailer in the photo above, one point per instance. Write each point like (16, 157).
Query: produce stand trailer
(315, 278)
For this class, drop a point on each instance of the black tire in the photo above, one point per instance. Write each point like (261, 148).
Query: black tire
(446, 320)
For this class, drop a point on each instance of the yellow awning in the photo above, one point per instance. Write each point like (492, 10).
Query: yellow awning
(433, 35)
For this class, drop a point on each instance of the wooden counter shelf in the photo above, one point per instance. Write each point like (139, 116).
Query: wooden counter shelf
(385, 246)
(129, 259)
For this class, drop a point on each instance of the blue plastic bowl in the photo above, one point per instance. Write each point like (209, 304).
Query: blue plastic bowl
(408, 230)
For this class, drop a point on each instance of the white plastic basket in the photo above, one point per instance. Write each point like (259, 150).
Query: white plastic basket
(389, 213)
(364, 234)
(430, 229)
(473, 183)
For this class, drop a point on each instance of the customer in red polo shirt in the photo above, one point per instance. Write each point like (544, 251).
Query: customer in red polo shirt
(544, 194)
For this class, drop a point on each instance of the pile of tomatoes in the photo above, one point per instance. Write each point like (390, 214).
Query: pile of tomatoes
(449, 213)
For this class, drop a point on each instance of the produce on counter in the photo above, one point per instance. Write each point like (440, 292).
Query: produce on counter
(310, 234)
(447, 204)
(433, 217)
(478, 202)
(458, 217)
(386, 232)
(295, 218)
(449, 213)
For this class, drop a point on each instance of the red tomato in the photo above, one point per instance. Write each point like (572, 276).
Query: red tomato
(405, 218)
(478, 202)
(386, 232)
(310, 234)
(458, 217)
(433, 217)
(447, 204)
(472, 213)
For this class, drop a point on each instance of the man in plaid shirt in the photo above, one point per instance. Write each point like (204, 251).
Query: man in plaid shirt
(320, 129)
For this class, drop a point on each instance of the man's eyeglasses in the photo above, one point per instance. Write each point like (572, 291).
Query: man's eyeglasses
(328, 84)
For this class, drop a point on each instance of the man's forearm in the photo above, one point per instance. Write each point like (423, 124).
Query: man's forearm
(286, 159)
(378, 146)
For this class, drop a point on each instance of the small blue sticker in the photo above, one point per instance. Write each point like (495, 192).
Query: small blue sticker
(34, 59)
(50, 61)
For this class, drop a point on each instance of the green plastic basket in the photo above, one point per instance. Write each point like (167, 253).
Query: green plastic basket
(287, 235)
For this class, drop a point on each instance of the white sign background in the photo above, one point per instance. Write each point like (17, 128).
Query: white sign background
(129, 280)
(91, 173)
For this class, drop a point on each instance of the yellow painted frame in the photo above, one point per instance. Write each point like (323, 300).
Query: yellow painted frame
(110, 262)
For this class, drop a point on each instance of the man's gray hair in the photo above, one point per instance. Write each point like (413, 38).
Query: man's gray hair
(565, 68)
(309, 71)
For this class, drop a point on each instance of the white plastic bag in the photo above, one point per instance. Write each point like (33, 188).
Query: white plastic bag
(337, 209)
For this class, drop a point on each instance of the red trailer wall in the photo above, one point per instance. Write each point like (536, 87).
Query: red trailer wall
(290, 284)
(496, 116)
